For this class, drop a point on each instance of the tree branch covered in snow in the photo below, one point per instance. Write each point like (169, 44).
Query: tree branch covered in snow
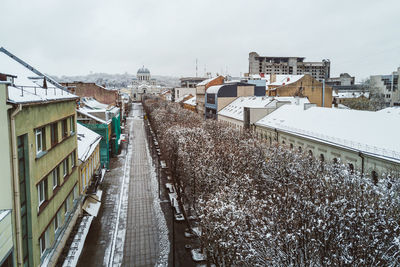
(262, 204)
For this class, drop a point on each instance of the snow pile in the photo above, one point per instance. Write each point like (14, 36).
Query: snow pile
(118, 241)
(77, 244)
(164, 244)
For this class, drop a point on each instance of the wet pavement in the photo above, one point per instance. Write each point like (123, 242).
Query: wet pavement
(141, 239)
(126, 231)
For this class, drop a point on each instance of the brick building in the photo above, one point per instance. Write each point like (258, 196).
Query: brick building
(101, 94)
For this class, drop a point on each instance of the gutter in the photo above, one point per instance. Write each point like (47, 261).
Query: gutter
(17, 203)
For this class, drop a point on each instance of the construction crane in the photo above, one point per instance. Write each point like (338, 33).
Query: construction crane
(29, 67)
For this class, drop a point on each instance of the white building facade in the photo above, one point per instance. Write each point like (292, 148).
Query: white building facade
(144, 84)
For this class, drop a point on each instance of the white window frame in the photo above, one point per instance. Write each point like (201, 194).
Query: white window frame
(41, 189)
(45, 239)
(65, 167)
(56, 176)
(73, 159)
(72, 124)
(39, 139)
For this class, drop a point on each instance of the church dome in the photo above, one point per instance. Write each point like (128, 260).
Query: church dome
(143, 70)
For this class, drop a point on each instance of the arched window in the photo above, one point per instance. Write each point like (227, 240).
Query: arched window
(300, 149)
(351, 168)
(374, 176)
(335, 161)
(291, 146)
(322, 158)
(283, 142)
(310, 153)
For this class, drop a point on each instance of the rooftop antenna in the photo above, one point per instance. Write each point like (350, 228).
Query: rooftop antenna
(196, 67)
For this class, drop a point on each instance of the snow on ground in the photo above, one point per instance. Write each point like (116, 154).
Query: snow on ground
(117, 246)
(164, 244)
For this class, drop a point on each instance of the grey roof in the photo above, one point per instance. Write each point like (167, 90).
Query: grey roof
(143, 70)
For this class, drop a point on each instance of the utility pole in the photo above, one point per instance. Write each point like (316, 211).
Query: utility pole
(196, 67)
(391, 91)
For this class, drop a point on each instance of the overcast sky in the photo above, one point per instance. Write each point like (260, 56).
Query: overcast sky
(76, 37)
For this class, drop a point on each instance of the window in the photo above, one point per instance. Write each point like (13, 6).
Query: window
(310, 153)
(66, 205)
(56, 177)
(40, 140)
(351, 168)
(300, 149)
(42, 191)
(54, 133)
(374, 176)
(56, 223)
(44, 242)
(64, 128)
(65, 167)
(72, 124)
(76, 192)
(291, 146)
(322, 158)
(73, 159)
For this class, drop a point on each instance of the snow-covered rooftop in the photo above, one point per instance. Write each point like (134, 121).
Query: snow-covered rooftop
(191, 101)
(214, 89)
(27, 86)
(87, 114)
(92, 103)
(236, 108)
(355, 94)
(391, 110)
(284, 80)
(87, 142)
(367, 131)
(205, 82)
(37, 94)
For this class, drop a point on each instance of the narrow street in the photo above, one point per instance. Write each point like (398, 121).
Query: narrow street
(127, 229)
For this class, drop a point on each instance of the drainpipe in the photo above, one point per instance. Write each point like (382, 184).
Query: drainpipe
(17, 203)
(362, 162)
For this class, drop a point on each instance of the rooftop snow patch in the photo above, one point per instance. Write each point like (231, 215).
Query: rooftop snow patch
(191, 101)
(34, 94)
(87, 142)
(367, 131)
(236, 108)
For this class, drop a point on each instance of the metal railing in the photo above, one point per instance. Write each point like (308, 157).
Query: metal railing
(344, 142)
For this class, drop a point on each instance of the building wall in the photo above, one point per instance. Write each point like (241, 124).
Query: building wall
(288, 65)
(245, 90)
(88, 168)
(40, 168)
(224, 101)
(329, 151)
(201, 91)
(383, 85)
(6, 188)
(101, 94)
(6, 195)
(312, 89)
(181, 91)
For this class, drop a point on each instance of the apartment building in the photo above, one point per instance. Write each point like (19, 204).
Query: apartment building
(387, 86)
(7, 255)
(340, 136)
(288, 65)
(43, 145)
